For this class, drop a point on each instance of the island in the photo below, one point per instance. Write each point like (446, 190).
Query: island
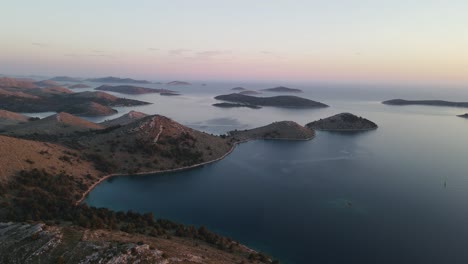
(284, 130)
(425, 102)
(80, 85)
(464, 115)
(65, 79)
(178, 83)
(282, 89)
(231, 105)
(169, 93)
(128, 89)
(111, 79)
(286, 101)
(342, 122)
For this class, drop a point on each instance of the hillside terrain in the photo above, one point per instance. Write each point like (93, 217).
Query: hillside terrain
(277, 101)
(8, 118)
(80, 85)
(123, 120)
(343, 122)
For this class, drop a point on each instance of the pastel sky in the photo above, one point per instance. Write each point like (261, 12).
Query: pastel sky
(302, 40)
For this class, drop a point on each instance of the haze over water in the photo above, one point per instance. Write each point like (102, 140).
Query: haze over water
(394, 195)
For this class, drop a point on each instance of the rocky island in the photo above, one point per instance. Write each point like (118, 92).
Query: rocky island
(282, 89)
(425, 102)
(284, 130)
(65, 79)
(238, 89)
(128, 89)
(464, 115)
(342, 122)
(277, 101)
(249, 92)
(111, 79)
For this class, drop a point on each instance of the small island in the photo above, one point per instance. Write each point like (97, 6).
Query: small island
(342, 122)
(249, 92)
(282, 89)
(286, 101)
(111, 79)
(178, 83)
(231, 105)
(169, 93)
(425, 102)
(464, 115)
(286, 130)
(128, 89)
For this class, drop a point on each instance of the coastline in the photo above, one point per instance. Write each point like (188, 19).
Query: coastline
(182, 168)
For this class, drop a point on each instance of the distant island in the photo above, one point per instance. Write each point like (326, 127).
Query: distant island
(464, 115)
(282, 89)
(231, 105)
(180, 83)
(425, 102)
(128, 89)
(238, 89)
(65, 79)
(278, 101)
(342, 122)
(80, 85)
(111, 79)
(169, 93)
(286, 130)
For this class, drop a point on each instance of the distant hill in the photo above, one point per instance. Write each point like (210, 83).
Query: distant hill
(128, 89)
(65, 79)
(6, 82)
(178, 83)
(57, 124)
(425, 102)
(56, 90)
(342, 122)
(282, 89)
(111, 79)
(8, 118)
(125, 119)
(80, 85)
(287, 130)
(278, 101)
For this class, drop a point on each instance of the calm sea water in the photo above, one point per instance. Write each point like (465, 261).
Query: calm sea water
(398, 194)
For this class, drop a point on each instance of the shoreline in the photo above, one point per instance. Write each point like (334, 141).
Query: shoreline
(83, 196)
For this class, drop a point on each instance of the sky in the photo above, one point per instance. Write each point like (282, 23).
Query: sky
(259, 40)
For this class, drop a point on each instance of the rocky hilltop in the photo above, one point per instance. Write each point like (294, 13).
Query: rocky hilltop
(342, 122)
(282, 89)
(425, 102)
(128, 89)
(111, 79)
(278, 101)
